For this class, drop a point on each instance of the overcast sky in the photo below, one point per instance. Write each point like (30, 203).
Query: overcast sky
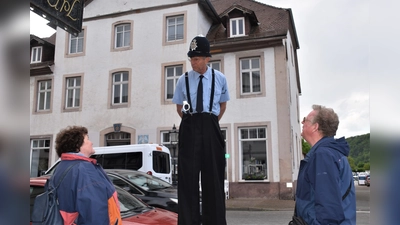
(335, 43)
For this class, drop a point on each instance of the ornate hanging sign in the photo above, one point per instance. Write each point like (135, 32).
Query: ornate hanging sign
(66, 14)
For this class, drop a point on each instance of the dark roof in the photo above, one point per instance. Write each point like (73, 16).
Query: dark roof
(269, 25)
(208, 8)
(45, 41)
(272, 21)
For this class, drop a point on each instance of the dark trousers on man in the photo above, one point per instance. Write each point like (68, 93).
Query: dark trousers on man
(201, 149)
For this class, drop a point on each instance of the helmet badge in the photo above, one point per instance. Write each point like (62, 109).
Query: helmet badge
(193, 45)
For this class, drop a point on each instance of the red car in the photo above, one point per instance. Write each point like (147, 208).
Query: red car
(129, 206)
(368, 180)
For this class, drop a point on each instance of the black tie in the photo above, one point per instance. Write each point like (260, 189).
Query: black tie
(199, 103)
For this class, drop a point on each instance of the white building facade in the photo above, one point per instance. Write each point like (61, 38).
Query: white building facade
(122, 68)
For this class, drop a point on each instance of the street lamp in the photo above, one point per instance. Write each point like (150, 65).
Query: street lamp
(173, 138)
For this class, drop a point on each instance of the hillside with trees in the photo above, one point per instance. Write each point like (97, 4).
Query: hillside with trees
(359, 157)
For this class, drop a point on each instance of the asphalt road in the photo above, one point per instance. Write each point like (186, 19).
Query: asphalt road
(283, 217)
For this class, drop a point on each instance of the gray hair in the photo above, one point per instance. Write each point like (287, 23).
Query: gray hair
(327, 120)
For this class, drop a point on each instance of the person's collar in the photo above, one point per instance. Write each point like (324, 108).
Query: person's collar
(205, 74)
(75, 156)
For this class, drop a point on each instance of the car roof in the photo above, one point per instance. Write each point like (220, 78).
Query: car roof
(39, 181)
(124, 170)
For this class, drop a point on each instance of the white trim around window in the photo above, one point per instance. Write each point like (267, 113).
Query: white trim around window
(119, 95)
(250, 81)
(43, 97)
(171, 73)
(72, 94)
(75, 45)
(122, 35)
(36, 54)
(253, 151)
(174, 28)
(237, 27)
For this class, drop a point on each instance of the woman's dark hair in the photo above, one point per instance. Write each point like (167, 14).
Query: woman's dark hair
(327, 120)
(70, 139)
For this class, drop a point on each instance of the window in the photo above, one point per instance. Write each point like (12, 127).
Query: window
(76, 43)
(118, 138)
(175, 28)
(44, 95)
(40, 149)
(73, 92)
(250, 75)
(161, 162)
(36, 56)
(122, 35)
(237, 27)
(172, 74)
(131, 160)
(253, 145)
(215, 65)
(120, 85)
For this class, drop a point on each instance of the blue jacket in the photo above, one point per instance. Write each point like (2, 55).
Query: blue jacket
(86, 195)
(324, 177)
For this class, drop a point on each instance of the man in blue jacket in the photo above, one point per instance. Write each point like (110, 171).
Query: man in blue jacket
(325, 191)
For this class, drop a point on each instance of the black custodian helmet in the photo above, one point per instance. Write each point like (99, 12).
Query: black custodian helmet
(199, 47)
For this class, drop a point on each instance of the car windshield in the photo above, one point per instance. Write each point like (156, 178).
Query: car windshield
(145, 181)
(129, 204)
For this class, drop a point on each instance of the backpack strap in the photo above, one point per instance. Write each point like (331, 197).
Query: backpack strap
(348, 190)
(64, 174)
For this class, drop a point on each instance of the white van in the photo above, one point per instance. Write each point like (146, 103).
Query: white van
(361, 179)
(153, 159)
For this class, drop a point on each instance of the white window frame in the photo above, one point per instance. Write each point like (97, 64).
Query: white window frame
(164, 135)
(176, 73)
(250, 138)
(76, 43)
(215, 65)
(40, 148)
(172, 22)
(75, 90)
(235, 24)
(125, 35)
(250, 71)
(123, 84)
(36, 56)
(46, 93)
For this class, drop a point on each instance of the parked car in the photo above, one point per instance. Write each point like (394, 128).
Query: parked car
(361, 179)
(133, 210)
(150, 189)
(368, 180)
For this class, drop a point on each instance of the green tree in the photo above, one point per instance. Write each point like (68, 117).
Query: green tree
(367, 166)
(305, 146)
(360, 149)
(352, 164)
(360, 167)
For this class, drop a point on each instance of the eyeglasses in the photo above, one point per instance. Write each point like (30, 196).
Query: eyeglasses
(305, 119)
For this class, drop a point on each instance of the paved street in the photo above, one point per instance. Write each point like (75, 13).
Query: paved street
(282, 215)
(275, 217)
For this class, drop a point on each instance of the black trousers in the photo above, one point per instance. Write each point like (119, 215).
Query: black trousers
(201, 149)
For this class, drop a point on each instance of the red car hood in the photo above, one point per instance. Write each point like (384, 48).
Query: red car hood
(153, 217)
